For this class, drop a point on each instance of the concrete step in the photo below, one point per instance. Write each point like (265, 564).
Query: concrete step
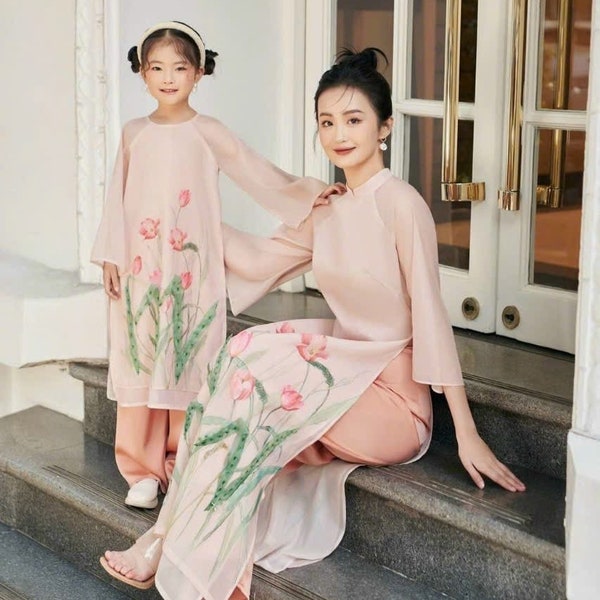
(430, 522)
(61, 487)
(28, 571)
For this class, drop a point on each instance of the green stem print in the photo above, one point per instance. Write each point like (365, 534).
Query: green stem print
(167, 325)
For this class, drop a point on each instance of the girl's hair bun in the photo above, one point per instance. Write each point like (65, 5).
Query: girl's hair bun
(367, 59)
(132, 57)
(209, 61)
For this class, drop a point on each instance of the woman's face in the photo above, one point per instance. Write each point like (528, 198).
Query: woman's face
(349, 131)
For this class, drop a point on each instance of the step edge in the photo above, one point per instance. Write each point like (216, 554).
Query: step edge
(439, 509)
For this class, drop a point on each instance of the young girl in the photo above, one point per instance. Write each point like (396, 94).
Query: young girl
(285, 402)
(160, 247)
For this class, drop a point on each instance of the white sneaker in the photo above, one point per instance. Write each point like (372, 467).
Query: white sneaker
(143, 494)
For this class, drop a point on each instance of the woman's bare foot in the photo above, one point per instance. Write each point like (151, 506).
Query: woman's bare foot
(137, 565)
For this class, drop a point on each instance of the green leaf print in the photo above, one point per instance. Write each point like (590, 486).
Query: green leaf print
(193, 409)
(260, 390)
(329, 412)
(190, 246)
(194, 341)
(326, 372)
(131, 334)
(214, 373)
(224, 493)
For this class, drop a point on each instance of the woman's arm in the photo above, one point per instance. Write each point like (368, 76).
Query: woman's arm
(474, 453)
(435, 359)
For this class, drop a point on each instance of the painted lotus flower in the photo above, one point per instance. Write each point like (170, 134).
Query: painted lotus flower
(156, 277)
(291, 399)
(239, 343)
(241, 384)
(285, 328)
(136, 266)
(149, 228)
(177, 239)
(186, 280)
(184, 197)
(312, 347)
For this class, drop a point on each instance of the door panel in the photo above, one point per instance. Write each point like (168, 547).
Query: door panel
(519, 267)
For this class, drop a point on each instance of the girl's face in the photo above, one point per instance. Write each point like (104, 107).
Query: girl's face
(170, 77)
(349, 131)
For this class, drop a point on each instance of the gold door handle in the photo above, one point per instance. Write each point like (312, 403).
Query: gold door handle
(552, 195)
(452, 190)
(509, 197)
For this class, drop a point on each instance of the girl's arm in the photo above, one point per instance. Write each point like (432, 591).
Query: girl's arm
(474, 453)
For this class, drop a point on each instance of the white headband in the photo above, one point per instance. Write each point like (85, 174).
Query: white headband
(180, 27)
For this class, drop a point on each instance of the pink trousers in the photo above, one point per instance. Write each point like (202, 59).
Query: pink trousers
(146, 443)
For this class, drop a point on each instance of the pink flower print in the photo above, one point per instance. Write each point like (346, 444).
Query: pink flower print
(156, 277)
(312, 347)
(136, 266)
(241, 385)
(184, 197)
(239, 343)
(177, 239)
(290, 398)
(186, 280)
(168, 304)
(285, 328)
(149, 228)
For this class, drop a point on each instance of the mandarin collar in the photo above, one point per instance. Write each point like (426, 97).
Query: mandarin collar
(368, 187)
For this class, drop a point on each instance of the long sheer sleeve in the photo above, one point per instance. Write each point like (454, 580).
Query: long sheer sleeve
(435, 360)
(109, 245)
(255, 266)
(288, 197)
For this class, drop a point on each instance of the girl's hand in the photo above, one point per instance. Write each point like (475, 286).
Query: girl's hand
(110, 276)
(478, 460)
(334, 189)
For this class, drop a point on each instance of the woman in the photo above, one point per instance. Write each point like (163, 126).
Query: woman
(289, 399)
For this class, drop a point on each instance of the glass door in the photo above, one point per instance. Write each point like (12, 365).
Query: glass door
(513, 272)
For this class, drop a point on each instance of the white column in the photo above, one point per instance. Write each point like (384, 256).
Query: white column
(583, 467)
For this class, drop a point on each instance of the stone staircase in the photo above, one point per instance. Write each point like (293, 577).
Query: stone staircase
(421, 531)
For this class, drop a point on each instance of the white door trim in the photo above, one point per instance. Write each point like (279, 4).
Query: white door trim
(97, 87)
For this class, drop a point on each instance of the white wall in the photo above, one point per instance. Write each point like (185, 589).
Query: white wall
(256, 46)
(37, 131)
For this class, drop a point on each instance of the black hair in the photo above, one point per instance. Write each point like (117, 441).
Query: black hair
(359, 70)
(184, 45)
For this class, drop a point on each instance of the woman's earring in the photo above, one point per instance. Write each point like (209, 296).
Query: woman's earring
(382, 145)
(195, 86)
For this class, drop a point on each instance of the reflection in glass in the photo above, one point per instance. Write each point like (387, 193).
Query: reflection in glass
(427, 56)
(364, 23)
(452, 219)
(556, 231)
(564, 75)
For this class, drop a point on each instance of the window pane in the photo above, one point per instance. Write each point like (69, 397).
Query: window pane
(557, 230)
(452, 219)
(427, 68)
(572, 94)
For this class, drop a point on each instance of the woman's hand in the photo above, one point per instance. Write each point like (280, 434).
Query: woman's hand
(478, 460)
(110, 277)
(330, 190)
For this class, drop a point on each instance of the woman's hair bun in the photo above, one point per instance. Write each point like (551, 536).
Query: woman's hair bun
(367, 59)
(132, 57)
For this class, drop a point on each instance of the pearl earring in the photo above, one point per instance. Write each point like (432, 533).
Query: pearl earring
(383, 146)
